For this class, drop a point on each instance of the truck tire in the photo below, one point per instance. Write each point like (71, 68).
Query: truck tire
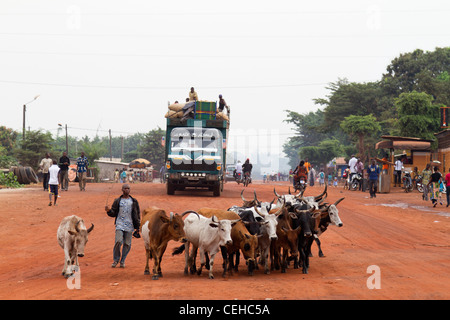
(170, 188)
(31, 175)
(216, 190)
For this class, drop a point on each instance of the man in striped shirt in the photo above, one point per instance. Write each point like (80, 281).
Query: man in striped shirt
(82, 167)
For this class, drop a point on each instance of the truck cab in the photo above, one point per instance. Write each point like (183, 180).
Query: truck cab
(195, 155)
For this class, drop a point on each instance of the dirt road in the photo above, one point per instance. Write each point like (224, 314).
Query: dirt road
(397, 232)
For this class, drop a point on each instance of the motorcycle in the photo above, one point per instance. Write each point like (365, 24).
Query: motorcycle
(407, 182)
(355, 181)
(418, 184)
(300, 184)
(238, 177)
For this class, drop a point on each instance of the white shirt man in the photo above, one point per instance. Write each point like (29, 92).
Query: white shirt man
(53, 182)
(398, 165)
(352, 164)
(239, 167)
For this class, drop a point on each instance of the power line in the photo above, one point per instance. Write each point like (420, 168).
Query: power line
(160, 88)
(170, 56)
(227, 13)
(216, 36)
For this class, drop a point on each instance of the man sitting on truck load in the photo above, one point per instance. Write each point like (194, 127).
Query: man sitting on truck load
(223, 104)
(247, 168)
(193, 95)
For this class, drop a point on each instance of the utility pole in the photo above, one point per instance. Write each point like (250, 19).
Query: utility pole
(24, 111)
(67, 142)
(121, 156)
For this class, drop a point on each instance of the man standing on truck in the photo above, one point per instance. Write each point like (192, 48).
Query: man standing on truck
(223, 104)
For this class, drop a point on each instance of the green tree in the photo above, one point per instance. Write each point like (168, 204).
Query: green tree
(8, 138)
(151, 147)
(417, 116)
(360, 127)
(34, 148)
(323, 153)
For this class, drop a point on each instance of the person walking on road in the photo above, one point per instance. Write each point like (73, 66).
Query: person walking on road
(53, 182)
(447, 185)
(127, 213)
(45, 164)
(374, 172)
(426, 175)
(82, 167)
(434, 185)
(64, 163)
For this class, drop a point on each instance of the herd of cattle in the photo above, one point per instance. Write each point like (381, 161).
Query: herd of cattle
(282, 231)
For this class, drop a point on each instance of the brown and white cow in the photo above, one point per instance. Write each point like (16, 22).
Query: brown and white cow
(242, 240)
(72, 236)
(157, 230)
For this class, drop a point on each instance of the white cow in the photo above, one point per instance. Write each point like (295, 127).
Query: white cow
(206, 235)
(72, 237)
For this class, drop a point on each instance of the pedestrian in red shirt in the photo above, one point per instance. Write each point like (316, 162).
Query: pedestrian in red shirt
(447, 185)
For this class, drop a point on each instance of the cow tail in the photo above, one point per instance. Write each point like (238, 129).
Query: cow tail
(178, 250)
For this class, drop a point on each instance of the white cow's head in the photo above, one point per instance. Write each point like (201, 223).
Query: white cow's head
(80, 235)
(224, 229)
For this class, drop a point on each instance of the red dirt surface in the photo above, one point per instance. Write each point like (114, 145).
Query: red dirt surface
(398, 232)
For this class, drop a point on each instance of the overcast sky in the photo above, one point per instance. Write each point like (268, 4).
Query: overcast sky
(100, 65)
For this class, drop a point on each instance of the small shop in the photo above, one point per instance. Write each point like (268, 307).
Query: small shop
(413, 152)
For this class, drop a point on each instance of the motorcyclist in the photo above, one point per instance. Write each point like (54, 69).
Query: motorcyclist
(238, 170)
(300, 172)
(247, 168)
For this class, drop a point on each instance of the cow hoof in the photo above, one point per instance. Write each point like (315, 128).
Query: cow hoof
(267, 272)
(146, 272)
(211, 277)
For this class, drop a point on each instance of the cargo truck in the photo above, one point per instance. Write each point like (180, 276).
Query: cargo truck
(195, 151)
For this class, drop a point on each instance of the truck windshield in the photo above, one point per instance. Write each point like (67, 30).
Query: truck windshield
(195, 145)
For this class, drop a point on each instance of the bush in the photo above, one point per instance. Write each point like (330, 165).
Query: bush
(9, 180)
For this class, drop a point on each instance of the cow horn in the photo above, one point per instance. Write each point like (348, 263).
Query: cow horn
(90, 228)
(190, 211)
(242, 197)
(256, 198)
(171, 216)
(212, 218)
(289, 190)
(236, 221)
(321, 195)
(337, 202)
(257, 211)
(274, 191)
(76, 226)
(280, 211)
(305, 211)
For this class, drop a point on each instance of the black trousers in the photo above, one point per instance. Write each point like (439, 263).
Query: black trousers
(373, 187)
(45, 180)
(398, 177)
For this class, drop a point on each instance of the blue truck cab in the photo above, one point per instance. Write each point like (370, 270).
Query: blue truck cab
(195, 154)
